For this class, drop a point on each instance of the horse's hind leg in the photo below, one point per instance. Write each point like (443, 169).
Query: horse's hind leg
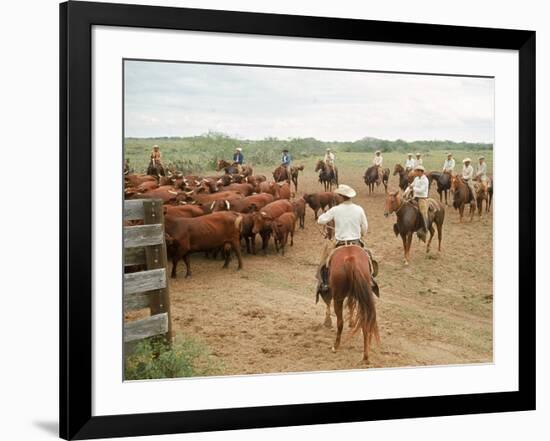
(328, 320)
(432, 231)
(338, 307)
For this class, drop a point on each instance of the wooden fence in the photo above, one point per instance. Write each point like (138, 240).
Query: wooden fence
(145, 245)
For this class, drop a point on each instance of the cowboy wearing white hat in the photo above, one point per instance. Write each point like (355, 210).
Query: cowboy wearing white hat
(420, 187)
(449, 164)
(377, 162)
(329, 158)
(155, 155)
(238, 159)
(468, 176)
(418, 160)
(481, 174)
(350, 225)
(409, 163)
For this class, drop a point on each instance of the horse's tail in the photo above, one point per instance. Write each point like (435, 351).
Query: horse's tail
(361, 299)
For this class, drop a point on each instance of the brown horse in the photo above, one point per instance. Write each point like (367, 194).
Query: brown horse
(403, 176)
(350, 277)
(485, 193)
(294, 170)
(231, 168)
(443, 182)
(371, 178)
(281, 174)
(409, 220)
(328, 175)
(462, 196)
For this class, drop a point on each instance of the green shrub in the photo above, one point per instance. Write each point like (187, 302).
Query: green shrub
(153, 358)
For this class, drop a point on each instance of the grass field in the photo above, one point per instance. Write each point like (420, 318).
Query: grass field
(263, 319)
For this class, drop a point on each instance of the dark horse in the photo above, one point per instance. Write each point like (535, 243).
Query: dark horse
(294, 170)
(403, 176)
(409, 220)
(281, 174)
(328, 176)
(371, 177)
(155, 169)
(462, 196)
(350, 277)
(231, 168)
(443, 182)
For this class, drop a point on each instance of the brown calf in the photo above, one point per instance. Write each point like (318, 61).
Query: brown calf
(264, 218)
(244, 205)
(320, 200)
(299, 206)
(284, 225)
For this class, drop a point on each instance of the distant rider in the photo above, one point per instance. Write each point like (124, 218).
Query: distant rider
(468, 176)
(420, 187)
(409, 163)
(377, 162)
(238, 159)
(449, 164)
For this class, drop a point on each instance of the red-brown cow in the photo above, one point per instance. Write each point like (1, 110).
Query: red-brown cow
(264, 217)
(247, 234)
(282, 190)
(284, 225)
(205, 233)
(245, 189)
(206, 198)
(166, 193)
(299, 206)
(132, 180)
(144, 187)
(244, 205)
(187, 210)
(319, 201)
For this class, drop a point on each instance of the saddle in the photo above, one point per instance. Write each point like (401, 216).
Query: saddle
(355, 243)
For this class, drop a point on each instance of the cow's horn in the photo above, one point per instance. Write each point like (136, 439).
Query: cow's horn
(212, 205)
(227, 204)
(172, 192)
(263, 213)
(189, 193)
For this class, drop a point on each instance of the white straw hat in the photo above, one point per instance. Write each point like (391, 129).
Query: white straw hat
(419, 167)
(345, 190)
(418, 154)
(239, 149)
(466, 160)
(377, 151)
(482, 157)
(409, 154)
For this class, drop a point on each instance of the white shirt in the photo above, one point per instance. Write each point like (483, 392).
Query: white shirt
(421, 185)
(350, 221)
(482, 170)
(449, 165)
(377, 160)
(417, 162)
(409, 163)
(467, 172)
(329, 157)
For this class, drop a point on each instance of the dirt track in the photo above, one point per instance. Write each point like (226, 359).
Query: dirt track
(438, 310)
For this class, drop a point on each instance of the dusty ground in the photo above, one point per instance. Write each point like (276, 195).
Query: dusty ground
(264, 318)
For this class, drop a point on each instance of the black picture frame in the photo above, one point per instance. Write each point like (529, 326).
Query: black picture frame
(76, 21)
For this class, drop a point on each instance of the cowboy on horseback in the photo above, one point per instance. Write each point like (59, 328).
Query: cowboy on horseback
(468, 176)
(350, 222)
(420, 187)
(285, 159)
(409, 163)
(377, 162)
(449, 164)
(155, 156)
(481, 174)
(418, 160)
(329, 161)
(238, 159)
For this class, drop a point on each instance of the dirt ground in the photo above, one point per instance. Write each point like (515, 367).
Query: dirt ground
(264, 319)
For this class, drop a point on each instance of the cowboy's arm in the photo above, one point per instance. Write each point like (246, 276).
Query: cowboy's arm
(325, 218)
(364, 224)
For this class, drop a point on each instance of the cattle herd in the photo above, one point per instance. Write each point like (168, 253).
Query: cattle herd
(220, 213)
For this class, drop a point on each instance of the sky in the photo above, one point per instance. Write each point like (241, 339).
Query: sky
(246, 102)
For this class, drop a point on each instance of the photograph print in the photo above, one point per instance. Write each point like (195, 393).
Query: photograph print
(288, 219)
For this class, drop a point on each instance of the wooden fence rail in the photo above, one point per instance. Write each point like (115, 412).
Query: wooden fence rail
(144, 245)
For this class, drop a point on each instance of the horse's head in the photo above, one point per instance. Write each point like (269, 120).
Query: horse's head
(393, 202)
(455, 181)
(398, 169)
(219, 164)
(320, 164)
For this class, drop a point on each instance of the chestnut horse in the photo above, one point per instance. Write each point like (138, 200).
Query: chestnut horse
(462, 196)
(328, 176)
(231, 168)
(350, 277)
(403, 176)
(281, 173)
(409, 220)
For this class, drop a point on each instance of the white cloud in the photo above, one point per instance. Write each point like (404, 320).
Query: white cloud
(179, 99)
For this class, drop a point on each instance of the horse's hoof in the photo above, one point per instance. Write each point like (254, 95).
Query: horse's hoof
(405, 262)
(333, 349)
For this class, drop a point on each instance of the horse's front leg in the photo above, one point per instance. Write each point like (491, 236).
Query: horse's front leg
(338, 307)
(432, 231)
(328, 320)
